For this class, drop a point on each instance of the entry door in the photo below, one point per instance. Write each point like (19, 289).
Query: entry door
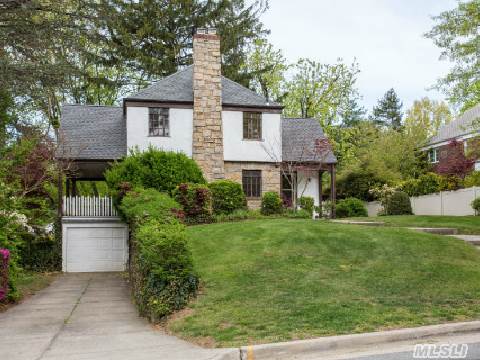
(95, 248)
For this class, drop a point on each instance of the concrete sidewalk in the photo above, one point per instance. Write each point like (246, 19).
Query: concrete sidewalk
(89, 316)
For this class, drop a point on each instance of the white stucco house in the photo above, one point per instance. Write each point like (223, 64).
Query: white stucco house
(230, 131)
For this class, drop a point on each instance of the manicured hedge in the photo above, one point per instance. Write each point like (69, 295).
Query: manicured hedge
(161, 268)
(350, 207)
(227, 196)
(155, 169)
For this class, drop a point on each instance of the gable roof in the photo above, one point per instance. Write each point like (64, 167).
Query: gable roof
(299, 140)
(92, 132)
(463, 125)
(178, 87)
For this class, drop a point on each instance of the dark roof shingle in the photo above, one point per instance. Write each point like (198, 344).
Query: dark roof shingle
(92, 132)
(178, 87)
(463, 125)
(300, 139)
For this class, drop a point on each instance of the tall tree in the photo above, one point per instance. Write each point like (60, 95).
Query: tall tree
(425, 117)
(320, 91)
(457, 33)
(353, 113)
(267, 67)
(155, 37)
(388, 112)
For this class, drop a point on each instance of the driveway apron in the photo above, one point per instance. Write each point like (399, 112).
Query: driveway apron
(88, 316)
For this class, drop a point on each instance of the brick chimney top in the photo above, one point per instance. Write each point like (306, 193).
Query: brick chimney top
(206, 31)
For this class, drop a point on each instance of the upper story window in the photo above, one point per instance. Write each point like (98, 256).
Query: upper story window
(252, 125)
(433, 156)
(252, 183)
(158, 124)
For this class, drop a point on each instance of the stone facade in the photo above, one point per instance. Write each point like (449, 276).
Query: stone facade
(270, 177)
(207, 105)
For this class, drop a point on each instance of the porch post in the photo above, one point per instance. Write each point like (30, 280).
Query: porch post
(60, 193)
(333, 191)
(67, 183)
(320, 177)
(74, 187)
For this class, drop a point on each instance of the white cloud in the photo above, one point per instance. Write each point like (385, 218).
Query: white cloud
(385, 36)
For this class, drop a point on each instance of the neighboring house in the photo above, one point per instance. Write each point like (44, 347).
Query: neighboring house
(465, 130)
(229, 130)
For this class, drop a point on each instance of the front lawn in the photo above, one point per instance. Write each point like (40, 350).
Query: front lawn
(279, 279)
(465, 224)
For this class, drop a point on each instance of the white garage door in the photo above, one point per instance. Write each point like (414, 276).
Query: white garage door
(92, 248)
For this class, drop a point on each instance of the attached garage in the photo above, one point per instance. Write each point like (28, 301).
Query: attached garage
(94, 245)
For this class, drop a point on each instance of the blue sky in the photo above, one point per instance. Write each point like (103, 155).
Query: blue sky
(385, 36)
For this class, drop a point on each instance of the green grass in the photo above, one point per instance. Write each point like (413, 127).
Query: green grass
(282, 279)
(465, 224)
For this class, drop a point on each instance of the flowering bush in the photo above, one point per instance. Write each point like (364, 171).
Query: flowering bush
(4, 260)
(196, 200)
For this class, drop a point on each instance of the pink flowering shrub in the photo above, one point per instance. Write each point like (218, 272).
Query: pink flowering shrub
(4, 258)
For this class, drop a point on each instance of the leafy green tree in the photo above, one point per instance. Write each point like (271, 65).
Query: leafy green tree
(266, 67)
(320, 91)
(425, 117)
(388, 112)
(456, 33)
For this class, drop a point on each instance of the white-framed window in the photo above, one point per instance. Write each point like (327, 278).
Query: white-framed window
(433, 155)
(158, 124)
(477, 166)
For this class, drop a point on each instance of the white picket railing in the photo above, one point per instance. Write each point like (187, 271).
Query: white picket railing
(89, 206)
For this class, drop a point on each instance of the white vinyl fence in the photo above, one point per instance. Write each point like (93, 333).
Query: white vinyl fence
(454, 203)
(89, 206)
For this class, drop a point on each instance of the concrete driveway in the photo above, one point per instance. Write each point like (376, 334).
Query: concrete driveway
(89, 317)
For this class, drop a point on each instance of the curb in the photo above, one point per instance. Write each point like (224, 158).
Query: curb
(289, 349)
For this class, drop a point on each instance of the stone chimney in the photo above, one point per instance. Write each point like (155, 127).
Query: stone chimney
(207, 104)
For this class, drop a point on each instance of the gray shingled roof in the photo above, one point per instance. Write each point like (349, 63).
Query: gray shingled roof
(299, 137)
(92, 132)
(459, 127)
(179, 87)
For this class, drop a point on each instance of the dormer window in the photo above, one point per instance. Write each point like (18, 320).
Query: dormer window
(158, 124)
(252, 125)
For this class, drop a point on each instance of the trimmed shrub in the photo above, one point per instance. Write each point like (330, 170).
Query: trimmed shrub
(227, 196)
(476, 205)
(428, 183)
(164, 279)
(156, 169)
(161, 267)
(271, 203)
(307, 203)
(350, 207)
(398, 204)
(472, 179)
(141, 205)
(196, 200)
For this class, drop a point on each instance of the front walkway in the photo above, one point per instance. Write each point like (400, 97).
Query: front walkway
(88, 317)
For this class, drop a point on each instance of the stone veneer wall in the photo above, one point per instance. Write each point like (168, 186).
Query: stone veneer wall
(270, 177)
(207, 106)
